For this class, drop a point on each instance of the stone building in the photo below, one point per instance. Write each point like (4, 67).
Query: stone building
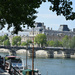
(41, 28)
(52, 34)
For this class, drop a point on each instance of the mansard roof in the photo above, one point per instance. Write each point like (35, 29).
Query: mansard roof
(63, 28)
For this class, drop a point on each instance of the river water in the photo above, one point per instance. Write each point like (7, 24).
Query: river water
(51, 66)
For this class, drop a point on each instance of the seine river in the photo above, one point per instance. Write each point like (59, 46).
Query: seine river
(51, 66)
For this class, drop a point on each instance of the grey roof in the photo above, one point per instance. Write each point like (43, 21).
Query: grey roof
(9, 33)
(63, 28)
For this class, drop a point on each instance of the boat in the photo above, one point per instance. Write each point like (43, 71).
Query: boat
(13, 64)
(29, 72)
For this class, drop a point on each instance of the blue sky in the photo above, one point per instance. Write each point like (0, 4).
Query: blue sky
(50, 19)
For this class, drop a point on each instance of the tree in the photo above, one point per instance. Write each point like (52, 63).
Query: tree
(26, 43)
(72, 43)
(57, 43)
(40, 39)
(7, 43)
(5, 37)
(63, 7)
(47, 44)
(65, 41)
(16, 41)
(1, 40)
(51, 43)
(18, 13)
(23, 44)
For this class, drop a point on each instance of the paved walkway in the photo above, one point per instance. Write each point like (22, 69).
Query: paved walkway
(3, 73)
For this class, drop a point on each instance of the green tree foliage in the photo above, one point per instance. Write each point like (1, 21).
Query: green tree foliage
(26, 43)
(54, 43)
(72, 42)
(47, 44)
(60, 43)
(7, 43)
(18, 13)
(63, 7)
(1, 40)
(57, 43)
(16, 41)
(5, 37)
(40, 39)
(65, 41)
(23, 44)
(51, 43)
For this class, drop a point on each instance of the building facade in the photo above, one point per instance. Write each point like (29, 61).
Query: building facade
(40, 28)
(52, 34)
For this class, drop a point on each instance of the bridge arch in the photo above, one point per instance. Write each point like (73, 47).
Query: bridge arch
(42, 53)
(22, 51)
(4, 50)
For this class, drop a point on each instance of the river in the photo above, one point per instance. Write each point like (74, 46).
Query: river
(51, 66)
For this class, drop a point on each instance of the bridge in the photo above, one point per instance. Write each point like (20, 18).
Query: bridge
(50, 50)
(37, 48)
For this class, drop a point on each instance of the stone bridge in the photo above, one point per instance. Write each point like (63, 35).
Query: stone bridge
(47, 51)
(37, 48)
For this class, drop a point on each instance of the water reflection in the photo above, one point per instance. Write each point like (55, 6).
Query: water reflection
(3, 54)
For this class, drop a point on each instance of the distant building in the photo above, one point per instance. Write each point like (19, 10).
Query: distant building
(52, 34)
(40, 28)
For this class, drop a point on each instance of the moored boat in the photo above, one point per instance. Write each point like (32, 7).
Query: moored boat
(13, 64)
(29, 72)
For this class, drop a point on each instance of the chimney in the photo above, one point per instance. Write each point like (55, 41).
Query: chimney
(44, 27)
(48, 28)
(51, 28)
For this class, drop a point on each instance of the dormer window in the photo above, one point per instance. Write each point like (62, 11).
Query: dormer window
(39, 25)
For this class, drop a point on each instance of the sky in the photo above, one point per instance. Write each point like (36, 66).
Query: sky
(50, 19)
